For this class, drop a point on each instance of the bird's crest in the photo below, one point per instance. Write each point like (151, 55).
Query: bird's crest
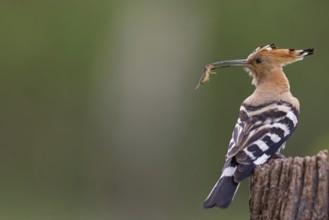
(279, 56)
(262, 48)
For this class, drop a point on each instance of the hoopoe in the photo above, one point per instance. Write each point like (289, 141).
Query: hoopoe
(266, 120)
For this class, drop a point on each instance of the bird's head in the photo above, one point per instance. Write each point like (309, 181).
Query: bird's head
(265, 60)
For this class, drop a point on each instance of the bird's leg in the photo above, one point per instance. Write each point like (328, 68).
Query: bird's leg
(278, 155)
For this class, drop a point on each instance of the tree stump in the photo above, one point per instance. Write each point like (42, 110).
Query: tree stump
(291, 188)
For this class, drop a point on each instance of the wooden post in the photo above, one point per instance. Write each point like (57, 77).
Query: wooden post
(291, 188)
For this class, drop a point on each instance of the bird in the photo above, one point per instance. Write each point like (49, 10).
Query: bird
(267, 118)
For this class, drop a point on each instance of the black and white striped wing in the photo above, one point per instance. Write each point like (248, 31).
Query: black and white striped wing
(259, 133)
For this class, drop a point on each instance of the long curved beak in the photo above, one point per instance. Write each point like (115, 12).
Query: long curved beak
(230, 63)
(207, 70)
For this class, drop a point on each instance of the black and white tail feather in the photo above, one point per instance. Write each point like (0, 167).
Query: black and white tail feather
(259, 134)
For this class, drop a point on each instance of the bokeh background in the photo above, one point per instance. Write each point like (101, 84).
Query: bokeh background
(99, 116)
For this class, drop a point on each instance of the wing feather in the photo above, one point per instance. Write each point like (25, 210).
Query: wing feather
(257, 137)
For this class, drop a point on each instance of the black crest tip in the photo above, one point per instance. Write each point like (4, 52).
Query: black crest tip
(273, 46)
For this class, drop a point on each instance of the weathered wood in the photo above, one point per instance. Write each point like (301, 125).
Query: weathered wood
(291, 188)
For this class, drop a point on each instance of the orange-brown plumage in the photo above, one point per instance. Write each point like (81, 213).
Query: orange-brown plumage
(265, 64)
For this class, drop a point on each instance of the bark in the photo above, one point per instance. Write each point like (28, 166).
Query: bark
(291, 188)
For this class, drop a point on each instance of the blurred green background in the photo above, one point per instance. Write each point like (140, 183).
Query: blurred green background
(99, 116)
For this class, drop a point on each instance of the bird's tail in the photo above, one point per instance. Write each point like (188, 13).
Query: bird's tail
(224, 190)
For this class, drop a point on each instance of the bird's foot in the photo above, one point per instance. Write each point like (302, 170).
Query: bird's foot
(278, 156)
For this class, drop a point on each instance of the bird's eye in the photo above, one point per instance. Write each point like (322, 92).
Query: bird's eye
(258, 60)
